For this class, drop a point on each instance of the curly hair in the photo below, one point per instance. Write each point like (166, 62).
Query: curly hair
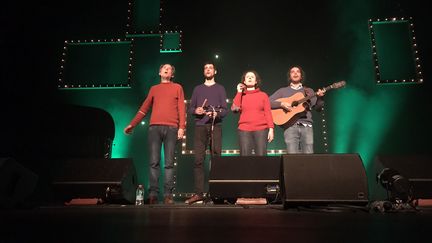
(303, 73)
(257, 77)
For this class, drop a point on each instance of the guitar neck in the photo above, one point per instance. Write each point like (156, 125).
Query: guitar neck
(337, 85)
(308, 97)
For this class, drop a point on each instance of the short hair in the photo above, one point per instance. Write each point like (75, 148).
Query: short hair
(303, 73)
(257, 77)
(210, 63)
(172, 66)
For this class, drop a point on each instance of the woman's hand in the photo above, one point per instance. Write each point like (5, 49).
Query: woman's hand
(270, 135)
(240, 87)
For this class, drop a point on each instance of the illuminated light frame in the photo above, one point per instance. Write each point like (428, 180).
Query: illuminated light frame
(324, 130)
(164, 50)
(129, 19)
(160, 34)
(152, 33)
(62, 85)
(419, 75)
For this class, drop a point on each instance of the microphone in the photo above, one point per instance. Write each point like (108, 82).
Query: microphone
(205, 101)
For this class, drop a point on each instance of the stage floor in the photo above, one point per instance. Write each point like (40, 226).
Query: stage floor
(212, 223)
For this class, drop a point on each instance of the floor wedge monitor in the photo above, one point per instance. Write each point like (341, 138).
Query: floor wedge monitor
(245, 176)
(324, 178)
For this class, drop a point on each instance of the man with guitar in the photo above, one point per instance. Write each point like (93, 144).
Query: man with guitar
(291, 109)
(208, 106)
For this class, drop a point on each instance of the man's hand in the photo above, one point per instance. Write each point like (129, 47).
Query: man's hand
(199, 110)
(321, 92)
(211, 114)
(180, 133)
(286, 106)
(128, 130)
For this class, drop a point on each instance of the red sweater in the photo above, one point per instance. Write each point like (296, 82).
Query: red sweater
(167, 103)
(255, 111)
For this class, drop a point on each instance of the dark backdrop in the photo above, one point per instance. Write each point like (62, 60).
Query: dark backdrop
(329, 39)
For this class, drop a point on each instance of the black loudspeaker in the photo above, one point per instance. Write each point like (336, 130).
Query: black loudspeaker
(112, 180)
(324, 178)
(416, 168)
(17, 184)
(245, 176)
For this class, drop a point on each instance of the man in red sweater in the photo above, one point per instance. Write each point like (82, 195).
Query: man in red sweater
(167, 125)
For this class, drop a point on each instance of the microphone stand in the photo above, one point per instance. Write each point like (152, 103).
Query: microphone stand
(207, 198)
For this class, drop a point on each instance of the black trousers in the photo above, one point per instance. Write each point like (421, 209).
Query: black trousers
(204, 138)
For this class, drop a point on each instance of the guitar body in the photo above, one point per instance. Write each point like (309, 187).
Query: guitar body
(281, 116)
(285, 118)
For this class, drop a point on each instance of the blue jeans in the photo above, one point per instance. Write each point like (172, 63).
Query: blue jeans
(299, 139)
(256, 140)
(158, 135)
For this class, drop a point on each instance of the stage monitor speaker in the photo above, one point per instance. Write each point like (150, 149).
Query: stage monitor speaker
(416, 168)
(324, 179)
(17, 183)
(112, 180)
(245, 176)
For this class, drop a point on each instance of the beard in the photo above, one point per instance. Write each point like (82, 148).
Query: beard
(209, 77)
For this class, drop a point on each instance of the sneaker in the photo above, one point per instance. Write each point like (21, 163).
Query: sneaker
(168, 200)
(153, 200)
(194, 198)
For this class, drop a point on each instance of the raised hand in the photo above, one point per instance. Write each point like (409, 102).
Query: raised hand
(240, 87)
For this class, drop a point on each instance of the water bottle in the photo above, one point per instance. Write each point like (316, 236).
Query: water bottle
(139, 200)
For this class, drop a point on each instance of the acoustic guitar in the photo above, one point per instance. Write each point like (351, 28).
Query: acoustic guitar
(297, 101)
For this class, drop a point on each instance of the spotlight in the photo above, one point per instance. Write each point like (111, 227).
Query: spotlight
(398, 188)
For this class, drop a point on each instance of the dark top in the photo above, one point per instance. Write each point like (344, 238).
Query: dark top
(216, 97)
